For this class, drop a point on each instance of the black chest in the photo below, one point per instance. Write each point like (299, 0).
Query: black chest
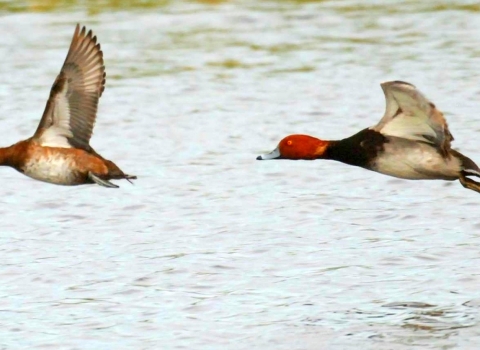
(360, 149)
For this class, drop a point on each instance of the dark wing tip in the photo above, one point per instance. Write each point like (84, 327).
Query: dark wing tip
(103, 83)
(87, 52)
(91, 37)
(84, 66)
(402, 82)
(397, 84)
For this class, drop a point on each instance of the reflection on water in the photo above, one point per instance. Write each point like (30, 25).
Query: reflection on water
(211, 249)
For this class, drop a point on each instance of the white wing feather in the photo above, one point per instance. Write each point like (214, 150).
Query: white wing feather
(409, 115)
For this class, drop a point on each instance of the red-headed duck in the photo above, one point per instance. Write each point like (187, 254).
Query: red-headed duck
(59, 152)
(411, 141)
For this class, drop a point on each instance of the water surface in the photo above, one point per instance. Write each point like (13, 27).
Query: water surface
(211, 249)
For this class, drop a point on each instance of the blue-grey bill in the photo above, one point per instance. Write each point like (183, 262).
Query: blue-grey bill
(272, 155)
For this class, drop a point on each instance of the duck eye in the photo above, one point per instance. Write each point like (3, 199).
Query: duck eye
(289, 142)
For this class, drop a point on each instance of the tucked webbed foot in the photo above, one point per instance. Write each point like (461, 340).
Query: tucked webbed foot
(130, 177)
(469, 183)
(99, 181)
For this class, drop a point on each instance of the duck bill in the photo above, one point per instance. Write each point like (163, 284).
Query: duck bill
(275, 154)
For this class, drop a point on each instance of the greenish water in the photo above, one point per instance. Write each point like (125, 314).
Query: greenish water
(211, 249)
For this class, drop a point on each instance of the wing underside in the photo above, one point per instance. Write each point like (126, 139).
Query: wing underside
(410, 115)
(71, 109)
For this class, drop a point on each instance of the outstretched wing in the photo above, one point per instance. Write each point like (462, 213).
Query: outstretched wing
(71, 109)
(410, 115)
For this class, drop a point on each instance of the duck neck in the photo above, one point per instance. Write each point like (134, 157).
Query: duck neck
(341, 151)
(358, 150)
(5, 155)
(8, 155)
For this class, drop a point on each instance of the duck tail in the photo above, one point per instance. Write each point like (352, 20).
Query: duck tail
(114, 172)
(469, 168)
(472, 172)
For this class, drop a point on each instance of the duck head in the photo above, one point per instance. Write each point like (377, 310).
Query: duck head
(297, 147)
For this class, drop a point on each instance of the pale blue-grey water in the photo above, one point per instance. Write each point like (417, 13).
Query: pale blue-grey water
(211, 249)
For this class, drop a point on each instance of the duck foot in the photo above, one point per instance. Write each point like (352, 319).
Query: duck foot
(99, 181)
(469, 183)
(129, 178)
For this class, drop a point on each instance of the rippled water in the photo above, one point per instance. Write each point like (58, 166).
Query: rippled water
(211, 249)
